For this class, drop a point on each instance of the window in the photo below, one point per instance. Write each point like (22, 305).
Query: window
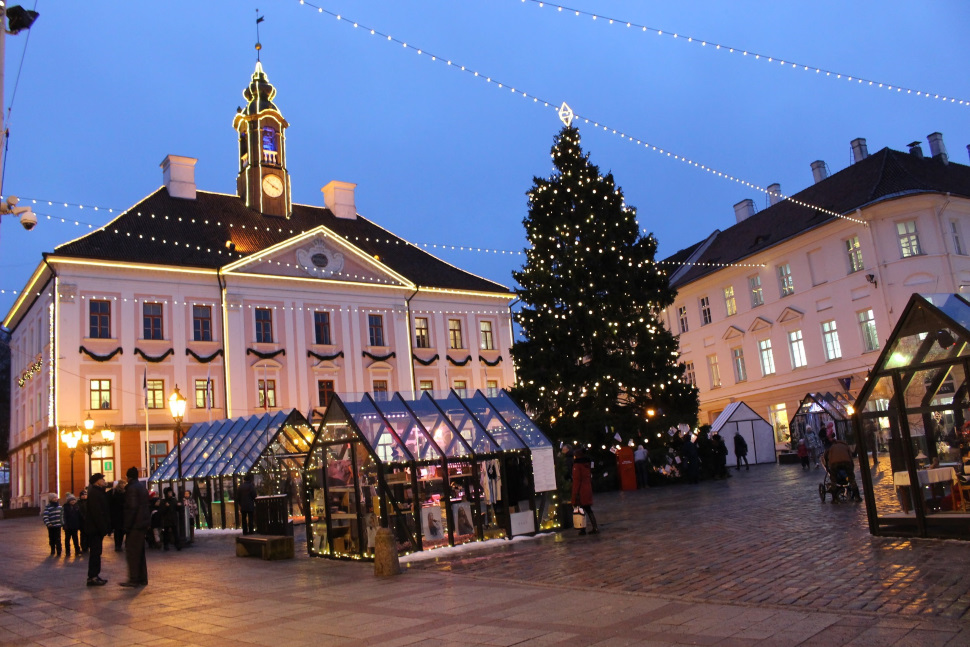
(205, 394)
(730, 305)
(705, 310)
(867, 324)
(264, 326)
(155, 394)
(854, 252)
(766, 356)
(785, 282)
(103, 461)
(908, 238)
(202, 323)
(485, 329)
(778, 417)
(421, 337)
(957, 238)
(100, 319)
(830, 339)
(689, 375)
(454, 334)
(270, 148)
(426, 385)
(796, 346)
(157, 451)
(740, 372)
(375, 329)
(491, 388)
(100, 394)
(380, 390)
(461, 388)
(754, 286)
(267, 393)
(152, 318)
(682, 318)
(713, 371)
(321, 328)
(324, 392)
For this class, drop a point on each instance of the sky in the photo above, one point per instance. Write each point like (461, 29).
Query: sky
(105, 90)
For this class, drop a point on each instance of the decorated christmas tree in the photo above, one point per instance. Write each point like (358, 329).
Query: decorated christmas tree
(595, 365)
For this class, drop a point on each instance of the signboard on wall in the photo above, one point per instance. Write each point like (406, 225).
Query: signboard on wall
(544, 469)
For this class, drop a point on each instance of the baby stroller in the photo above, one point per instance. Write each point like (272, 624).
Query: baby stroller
(839, 486)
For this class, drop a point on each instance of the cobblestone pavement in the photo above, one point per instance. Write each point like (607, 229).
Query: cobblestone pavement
(755, 560)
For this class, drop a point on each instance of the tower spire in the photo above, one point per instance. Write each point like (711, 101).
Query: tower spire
(259, 19)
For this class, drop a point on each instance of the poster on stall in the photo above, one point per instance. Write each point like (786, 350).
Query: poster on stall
(432, 527)
(544, 469)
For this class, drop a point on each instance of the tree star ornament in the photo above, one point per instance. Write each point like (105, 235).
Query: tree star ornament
(565, 114)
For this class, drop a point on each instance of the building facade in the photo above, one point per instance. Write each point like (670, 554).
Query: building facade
(245, 302)
(799, 297)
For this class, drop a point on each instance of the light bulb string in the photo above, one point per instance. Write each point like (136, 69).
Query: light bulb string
(755, 56)
(557, 106)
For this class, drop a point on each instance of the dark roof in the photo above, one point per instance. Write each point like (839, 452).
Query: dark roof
(193, 233)
(881, 176)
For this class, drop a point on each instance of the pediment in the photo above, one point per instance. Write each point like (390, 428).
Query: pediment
(790, 314)
(318, 254)
(379, 366)
(759, 323)
(919, 278)
(733, 332)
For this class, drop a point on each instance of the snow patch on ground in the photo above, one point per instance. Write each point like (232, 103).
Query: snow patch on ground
(470, 547)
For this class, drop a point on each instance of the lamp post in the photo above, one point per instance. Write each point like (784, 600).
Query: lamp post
(71, 439)
(176, 404)
(77, 438)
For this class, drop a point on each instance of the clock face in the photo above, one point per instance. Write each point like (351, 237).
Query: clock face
(273, 186)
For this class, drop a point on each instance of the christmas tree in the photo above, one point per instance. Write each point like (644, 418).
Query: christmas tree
(595, 361)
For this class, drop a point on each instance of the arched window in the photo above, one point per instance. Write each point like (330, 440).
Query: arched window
(270, 145)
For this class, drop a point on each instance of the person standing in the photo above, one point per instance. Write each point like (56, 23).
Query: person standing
(169, 511)
(82, 504)
(192, 512)
(640, 462)
(803, 453)
(740, 451)
(720, 452)
(54, 520)
(72, 525)
(246, 500)
(583, 487)
(137, 522)
(97, 524)
(117, 504)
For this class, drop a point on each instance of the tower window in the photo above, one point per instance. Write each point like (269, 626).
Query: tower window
(270, 145)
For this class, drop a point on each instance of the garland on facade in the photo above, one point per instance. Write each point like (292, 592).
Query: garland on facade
(100, 358)
(379, 358)
(155, 360)
(461, 363)
(29, 372)
(497, 361)
(428, 362)
(325, 358)
(204, 360)
(251, 351)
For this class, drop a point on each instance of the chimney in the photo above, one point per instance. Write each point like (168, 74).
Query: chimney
(859, 149)
(178, 175)
(339, 198)
(774, 194)
(744, 209)
(937, 149)
(916, 150)
(819, 172)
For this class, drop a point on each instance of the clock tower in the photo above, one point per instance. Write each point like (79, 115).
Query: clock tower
(263, 182)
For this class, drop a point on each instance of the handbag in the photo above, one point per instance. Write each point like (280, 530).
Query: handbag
(579, 518)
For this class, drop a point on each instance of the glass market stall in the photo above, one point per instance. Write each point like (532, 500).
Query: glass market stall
(216, 456)
(915, 404)
(439, 470)
(817, 415)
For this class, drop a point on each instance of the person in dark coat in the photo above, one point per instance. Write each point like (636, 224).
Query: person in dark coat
(720, 456)
(740, 451)
(137, 523)
(117, 504)
(82, 504)
(692, 460)
(169, 512)
(246, 501)
(97, 524)
(72, 525)
(583, 487)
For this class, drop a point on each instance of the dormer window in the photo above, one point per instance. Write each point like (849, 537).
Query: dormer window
(270, 145)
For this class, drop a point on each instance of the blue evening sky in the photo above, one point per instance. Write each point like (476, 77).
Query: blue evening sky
(107, 89)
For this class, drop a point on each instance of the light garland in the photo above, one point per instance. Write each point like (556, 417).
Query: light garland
(557, 107)
(754, 56)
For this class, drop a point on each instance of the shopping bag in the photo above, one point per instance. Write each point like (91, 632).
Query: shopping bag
(579, 518)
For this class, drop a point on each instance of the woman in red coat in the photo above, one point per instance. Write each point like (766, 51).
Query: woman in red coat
(583, 488)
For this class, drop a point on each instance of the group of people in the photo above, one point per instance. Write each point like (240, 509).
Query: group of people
(122, 510)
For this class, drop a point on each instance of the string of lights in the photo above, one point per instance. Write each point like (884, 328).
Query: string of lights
(562, 106)
(750, 55)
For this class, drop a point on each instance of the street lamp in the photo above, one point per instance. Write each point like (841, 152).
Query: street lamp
(71, 439)
(176, 404)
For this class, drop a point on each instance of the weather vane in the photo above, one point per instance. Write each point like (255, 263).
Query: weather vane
(566, 114)
(259, 19)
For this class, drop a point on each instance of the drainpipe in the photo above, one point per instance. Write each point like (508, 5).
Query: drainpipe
(225, 347)
(943, 231)
(881, 279)
(407, 328)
